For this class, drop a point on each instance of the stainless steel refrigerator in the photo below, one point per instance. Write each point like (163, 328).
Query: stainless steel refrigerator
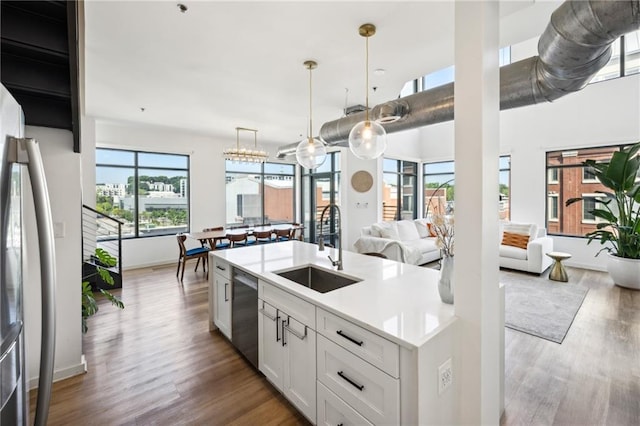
(16, 155)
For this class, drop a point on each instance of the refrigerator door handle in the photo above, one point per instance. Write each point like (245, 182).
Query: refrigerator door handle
(33, 160)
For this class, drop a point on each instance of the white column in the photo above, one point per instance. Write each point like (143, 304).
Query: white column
(476, 210)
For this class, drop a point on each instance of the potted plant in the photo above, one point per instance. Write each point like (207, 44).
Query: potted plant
(619, 214)
(89, 305)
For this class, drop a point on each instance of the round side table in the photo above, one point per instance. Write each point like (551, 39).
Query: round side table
(558, 273)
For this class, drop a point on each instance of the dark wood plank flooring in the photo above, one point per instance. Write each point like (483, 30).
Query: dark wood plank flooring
(156, 363)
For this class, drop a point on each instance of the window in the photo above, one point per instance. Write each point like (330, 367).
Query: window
(147, 191)
(439, 187)
(552, 207)
(573, 180)
(259, 193)
(625, 58)
(589, 203)
(444, 76)
(320, 187)
(399, 189)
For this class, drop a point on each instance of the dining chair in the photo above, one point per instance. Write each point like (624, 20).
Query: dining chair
(237, 239)
(283, 234)
(194, 253)
(296, 232)
(262, 237)
(220, 244)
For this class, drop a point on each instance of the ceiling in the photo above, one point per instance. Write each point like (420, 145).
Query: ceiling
(221, 65)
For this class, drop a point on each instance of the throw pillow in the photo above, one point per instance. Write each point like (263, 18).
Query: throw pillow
(432, 231)
(515, 240)
(387, 230)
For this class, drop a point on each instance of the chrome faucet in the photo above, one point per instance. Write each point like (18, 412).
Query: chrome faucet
(338, 262)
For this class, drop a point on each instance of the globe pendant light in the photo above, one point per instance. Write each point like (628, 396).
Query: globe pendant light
(311, 151)
(367, 139)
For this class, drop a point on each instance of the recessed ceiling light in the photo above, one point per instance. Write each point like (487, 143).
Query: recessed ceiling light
(379, 71)
(183, 8)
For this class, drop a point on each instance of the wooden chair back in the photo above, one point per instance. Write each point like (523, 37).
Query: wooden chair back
(283, 234)
(262, 236)
(237, 238)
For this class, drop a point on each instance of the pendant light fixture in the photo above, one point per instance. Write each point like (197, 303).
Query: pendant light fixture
(244, 155)
(311, 151)
(367, 139)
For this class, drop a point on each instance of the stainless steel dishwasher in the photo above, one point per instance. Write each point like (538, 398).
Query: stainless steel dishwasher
(244, 315)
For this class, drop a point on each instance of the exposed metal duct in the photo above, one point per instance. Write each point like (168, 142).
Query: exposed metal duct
(575, 45)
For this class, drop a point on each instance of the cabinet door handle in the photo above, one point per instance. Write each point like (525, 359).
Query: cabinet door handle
(295, 333)
(278, 325)
(351, 382)
(351, 339)
(267, 314)
(221, 268)
(284, 342)
(226, 298)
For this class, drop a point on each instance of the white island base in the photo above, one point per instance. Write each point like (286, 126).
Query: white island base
(381, 346)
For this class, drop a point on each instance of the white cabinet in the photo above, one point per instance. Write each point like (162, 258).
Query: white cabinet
(287, 347)
(220, 297)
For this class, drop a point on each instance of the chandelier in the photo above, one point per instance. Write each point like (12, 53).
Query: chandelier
(246, 155)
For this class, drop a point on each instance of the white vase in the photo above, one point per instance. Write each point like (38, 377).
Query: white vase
(445, 283)
(624, 272)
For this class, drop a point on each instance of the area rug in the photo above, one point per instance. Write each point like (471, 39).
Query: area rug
(540, 307)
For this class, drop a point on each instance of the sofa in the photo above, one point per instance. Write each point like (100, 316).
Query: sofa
(407, 241)
(522, 247)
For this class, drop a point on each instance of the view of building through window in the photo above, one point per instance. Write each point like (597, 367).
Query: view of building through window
(320, 187)
(148, 192)
(567, 178)
(399, 189)
(439, 187)
(259, 193)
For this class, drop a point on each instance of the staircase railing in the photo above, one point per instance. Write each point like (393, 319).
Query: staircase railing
(100, 230)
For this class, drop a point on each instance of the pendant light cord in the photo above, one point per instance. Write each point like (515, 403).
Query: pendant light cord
(366, 89)
(310, 106)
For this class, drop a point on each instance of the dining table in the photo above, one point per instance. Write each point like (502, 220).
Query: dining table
(213, 237)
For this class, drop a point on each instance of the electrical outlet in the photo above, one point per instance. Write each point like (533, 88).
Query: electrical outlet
(445, 376)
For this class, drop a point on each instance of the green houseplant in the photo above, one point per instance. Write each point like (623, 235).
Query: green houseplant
(89, 304)
(619, 214)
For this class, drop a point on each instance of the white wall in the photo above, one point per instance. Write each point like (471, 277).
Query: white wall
(62, 171)
(604, 113)
(207, 182)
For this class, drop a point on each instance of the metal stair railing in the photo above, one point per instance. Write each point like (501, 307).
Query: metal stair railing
(100, 230)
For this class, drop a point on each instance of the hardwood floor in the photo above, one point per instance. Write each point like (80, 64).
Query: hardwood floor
(156, 363)
(593, 377)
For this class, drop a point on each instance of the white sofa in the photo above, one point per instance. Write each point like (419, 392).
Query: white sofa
(532, 259)
(409, 241)
(404, 240)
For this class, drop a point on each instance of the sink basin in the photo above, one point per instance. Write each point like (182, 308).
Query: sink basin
(317, 279)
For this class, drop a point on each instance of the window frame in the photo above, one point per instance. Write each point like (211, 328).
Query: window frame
(400, 176)
(262, 179)
(136, 167)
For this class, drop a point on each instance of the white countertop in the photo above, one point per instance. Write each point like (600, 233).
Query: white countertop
(396, 300)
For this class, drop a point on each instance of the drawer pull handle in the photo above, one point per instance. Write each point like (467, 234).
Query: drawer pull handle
(221, 268)
(266, 314)
(351, 339)
(295, 333)
(226, 298)
(351, 382)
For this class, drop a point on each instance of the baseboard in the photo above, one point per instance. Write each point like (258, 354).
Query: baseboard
(149, 265)
(589, 266)
(62, 374)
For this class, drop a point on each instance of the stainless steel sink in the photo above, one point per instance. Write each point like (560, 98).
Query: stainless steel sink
(317, 279)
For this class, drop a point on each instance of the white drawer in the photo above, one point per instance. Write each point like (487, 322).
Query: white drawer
(333, 411)
(370, 391)
(369, 346)
(221, 267)
(301, 310)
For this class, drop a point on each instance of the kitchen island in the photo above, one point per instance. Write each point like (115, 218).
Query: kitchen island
(388, 336)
